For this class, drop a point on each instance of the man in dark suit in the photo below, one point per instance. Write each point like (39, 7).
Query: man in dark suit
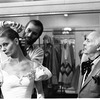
(89, 81)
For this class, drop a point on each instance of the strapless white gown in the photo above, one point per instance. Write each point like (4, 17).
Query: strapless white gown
(21, 87)
(15, 87)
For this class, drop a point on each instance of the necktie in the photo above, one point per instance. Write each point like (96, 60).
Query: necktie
(86, 67)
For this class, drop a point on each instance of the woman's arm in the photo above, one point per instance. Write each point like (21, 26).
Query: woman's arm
(39, 89)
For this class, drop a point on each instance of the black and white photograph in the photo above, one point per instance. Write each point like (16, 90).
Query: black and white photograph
(49, 49)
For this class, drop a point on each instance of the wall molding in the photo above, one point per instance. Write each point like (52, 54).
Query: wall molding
(49, 7)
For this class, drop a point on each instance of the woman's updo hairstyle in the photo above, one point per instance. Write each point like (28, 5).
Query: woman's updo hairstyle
(9, 33)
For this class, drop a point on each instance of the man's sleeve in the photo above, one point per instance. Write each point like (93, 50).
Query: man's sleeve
(37, 54)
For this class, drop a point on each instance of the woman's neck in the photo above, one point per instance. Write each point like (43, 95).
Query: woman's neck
(19, 56)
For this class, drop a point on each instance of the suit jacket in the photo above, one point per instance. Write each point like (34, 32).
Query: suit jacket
(90, 89)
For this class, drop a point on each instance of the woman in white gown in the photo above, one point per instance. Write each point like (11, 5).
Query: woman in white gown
(18, 73)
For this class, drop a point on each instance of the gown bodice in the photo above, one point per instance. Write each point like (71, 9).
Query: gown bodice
(15, 87)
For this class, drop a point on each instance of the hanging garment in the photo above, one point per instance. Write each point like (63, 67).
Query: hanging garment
(51, 54)
(51, 60)
(66, 71)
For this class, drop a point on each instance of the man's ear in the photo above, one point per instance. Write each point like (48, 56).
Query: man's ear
(16, 41)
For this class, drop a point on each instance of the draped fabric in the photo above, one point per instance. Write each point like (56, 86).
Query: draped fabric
(56, 58)
(52, 58)
(48, 59)
(59, 58)
(67, 64)
(75, 79)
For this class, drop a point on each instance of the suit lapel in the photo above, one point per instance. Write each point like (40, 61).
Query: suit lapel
(93, 73)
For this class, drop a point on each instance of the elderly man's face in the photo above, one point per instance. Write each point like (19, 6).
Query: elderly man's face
(90, 46)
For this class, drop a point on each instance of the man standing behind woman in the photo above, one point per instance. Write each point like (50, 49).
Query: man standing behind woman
(18, 73)
(89, 81)
(32, 32)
